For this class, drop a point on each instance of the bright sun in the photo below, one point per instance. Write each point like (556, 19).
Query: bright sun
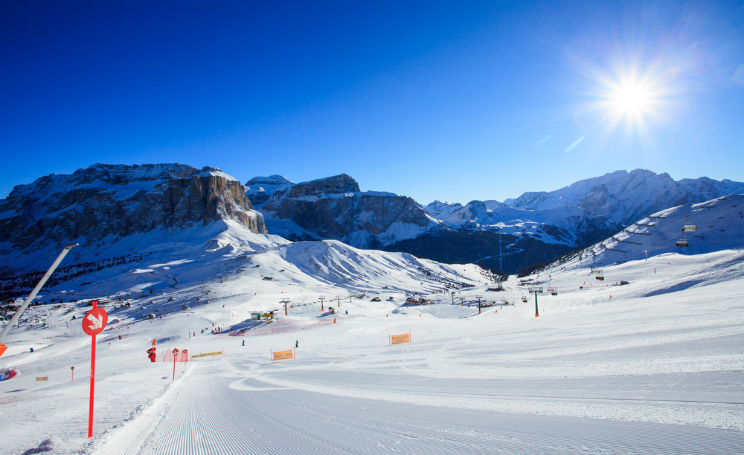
(631, 99)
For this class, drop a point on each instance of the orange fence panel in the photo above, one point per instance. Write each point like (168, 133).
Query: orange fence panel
(282, 355)
(180, 356)
(398, 339)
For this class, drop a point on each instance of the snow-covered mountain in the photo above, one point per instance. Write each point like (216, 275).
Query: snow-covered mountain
(116, 211)
(105, 208)
(442, 210)
(260, 189)
(624, 197)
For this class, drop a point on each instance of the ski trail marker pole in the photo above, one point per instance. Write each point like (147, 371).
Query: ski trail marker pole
(93, 324)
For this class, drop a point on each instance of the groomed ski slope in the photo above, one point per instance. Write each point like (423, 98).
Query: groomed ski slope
(659, 374)
(650, 367)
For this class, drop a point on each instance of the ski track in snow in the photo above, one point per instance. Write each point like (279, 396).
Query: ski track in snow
(213, 416)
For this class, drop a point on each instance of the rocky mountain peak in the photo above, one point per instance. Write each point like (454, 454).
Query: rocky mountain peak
(121, 174)
(103, 203)
(330, 185)
(274, 179)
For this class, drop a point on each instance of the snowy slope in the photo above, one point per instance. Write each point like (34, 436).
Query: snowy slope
(653, 366)
(719, 224)
(642, 368)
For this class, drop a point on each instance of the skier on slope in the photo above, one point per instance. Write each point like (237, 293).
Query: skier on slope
(297, 344)
(243, 342)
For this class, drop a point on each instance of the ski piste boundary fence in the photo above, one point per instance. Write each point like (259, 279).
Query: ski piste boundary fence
(285, 327)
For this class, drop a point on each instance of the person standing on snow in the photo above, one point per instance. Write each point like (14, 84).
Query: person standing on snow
(243, 342)
(297, 344)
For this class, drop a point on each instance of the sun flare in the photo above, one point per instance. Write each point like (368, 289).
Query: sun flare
(631, 99)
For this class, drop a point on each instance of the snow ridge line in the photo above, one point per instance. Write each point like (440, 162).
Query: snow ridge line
(129, 438)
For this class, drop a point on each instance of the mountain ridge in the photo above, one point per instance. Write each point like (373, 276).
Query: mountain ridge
(624, 196)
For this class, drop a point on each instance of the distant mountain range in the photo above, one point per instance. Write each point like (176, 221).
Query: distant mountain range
(626, 197)
(116, 210)
(507, 236)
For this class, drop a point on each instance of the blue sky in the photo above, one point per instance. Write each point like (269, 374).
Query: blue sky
(434, 100)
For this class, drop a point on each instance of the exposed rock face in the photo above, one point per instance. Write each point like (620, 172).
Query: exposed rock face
(335, 208)
(105, 201)
(331, 185)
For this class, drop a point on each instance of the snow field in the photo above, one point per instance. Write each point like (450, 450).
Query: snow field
(655, 368)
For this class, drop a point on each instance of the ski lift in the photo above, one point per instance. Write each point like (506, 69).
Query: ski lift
(524, 298)
(683, 243)
(688, 227)
(600, 277)
(596, 271)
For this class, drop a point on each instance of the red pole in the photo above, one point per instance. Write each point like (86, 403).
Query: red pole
(92, 380)
(175, 353)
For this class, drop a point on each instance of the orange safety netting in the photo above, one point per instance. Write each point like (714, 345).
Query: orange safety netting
(180, 356)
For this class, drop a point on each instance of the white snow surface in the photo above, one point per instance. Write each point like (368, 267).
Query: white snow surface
(654, 366)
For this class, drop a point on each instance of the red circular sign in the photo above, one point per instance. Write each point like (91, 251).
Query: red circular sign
(95, 321)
